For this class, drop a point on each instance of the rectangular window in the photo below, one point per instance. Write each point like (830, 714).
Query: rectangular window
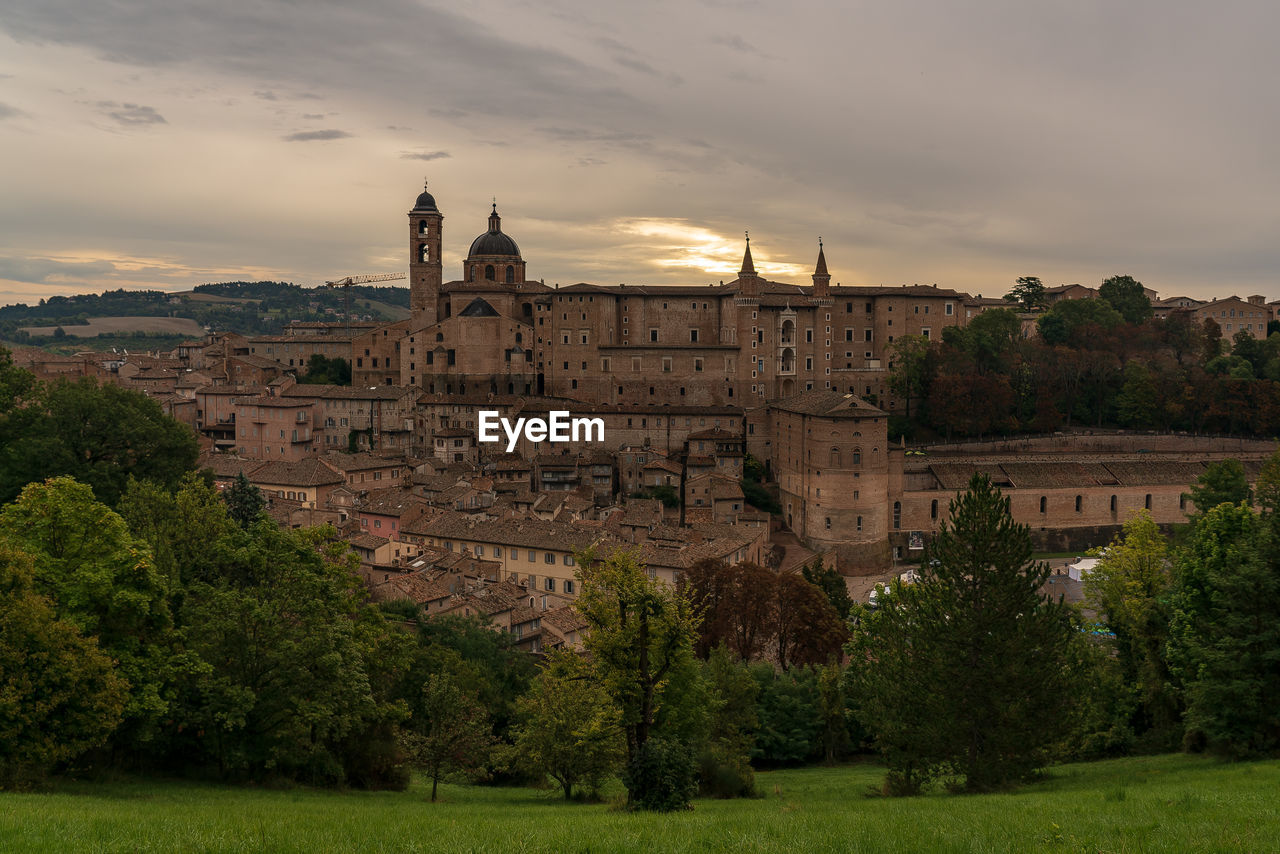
(693, 336)
(653, 336)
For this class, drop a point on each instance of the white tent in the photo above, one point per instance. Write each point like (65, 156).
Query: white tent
(1081, 567)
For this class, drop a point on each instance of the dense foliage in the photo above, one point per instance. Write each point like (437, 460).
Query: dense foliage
(1100, 362)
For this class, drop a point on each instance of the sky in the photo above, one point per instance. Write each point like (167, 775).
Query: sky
(168, 143)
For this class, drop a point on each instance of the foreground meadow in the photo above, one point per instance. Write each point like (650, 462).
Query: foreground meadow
(1166, 803)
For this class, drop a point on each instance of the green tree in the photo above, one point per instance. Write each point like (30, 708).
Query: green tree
(455, 738)
(102, 579)
(1029, 293)
(61, 695)
(1225, 642)
(98, 434)
(1130, 591)
(908, 367)
(1268, 485)
(245, 504)
(1138, 403)
(639, 637)
(1223, 482)
(570, 729)
(1126, 295)
(830, 582)
(995, 654)
(1070, 319)
(180, 528)
(297, 671)
(724, 761)
(789, 710)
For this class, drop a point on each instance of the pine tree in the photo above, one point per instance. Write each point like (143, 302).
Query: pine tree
(969, 670)
(244, 501)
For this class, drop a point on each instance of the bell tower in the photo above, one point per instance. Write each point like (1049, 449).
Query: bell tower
(426, 273)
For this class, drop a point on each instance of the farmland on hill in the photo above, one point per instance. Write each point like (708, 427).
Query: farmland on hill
(1161, 803)
(249, 308)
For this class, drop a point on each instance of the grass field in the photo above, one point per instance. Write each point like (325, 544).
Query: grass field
(114, 325)
(1166, 803)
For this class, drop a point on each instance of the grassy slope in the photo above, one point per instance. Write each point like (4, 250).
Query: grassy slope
(1168, 803)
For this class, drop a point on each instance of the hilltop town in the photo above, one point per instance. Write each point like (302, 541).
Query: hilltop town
(690, 384)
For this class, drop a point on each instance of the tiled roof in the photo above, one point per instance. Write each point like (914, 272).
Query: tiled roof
(309, 472)
(827, 404)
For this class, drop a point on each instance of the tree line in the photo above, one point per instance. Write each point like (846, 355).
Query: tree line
(1101, 362)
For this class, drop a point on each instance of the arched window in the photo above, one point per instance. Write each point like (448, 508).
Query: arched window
(933, 509)
(1079, 503)
(422, 227)
(857, 456)
(511, 275)
(1044, 504)
(1148, 501)
(1113, 505)
(439, 336)
(488, 272)
(897, 515)
(835, 457)
(424, 253)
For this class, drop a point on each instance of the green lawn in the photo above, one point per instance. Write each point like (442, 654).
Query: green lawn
(1166, 803)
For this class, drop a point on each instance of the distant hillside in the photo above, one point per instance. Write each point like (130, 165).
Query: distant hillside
(249, 308)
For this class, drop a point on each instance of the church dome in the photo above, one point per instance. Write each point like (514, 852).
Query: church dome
(493, 241)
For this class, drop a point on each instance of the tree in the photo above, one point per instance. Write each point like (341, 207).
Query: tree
(908, 361)
(1225, 635)
(639, 637)
(245, 503)
(1138, 403)
(807, 629)
(102, 579)
(569, 728)
(321, 369)
(1127, 296)
(297, 673)
(724, 766)
(1268, 485)
(1028, 292)
(98, 434)
(1129, 590)
(456, 736)
(994, 653)
(61, 694)
(1223, 482)
(831, 583)
(1070, 320)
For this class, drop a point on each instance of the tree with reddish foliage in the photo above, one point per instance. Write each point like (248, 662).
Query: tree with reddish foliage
(807, 629)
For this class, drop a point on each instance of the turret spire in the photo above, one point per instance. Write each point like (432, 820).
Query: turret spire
(748, 268)
(821, 278)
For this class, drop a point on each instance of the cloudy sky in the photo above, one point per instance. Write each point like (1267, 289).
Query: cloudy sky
(165, 143)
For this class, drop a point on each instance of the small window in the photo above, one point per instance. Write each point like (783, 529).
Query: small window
(897, 515)
(1044, 504)
(1079, 503)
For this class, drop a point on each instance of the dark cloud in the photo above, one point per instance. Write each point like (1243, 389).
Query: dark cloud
(316, 135)
(131, 115)
(8, 112)
(42, 270)
(423, 155)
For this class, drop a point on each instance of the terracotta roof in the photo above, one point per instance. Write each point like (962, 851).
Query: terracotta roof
(309, 472)
(827, 404)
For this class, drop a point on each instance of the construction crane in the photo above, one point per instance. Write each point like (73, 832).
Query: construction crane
(346, 283)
